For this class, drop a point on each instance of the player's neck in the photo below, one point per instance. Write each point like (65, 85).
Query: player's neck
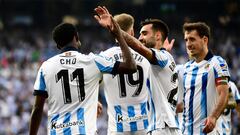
(201, 56)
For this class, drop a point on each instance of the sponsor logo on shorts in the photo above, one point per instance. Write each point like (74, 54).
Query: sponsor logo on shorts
(55, 125)
(120, 118)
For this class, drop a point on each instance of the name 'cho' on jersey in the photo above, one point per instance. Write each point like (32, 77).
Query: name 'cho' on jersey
(71, 81)
(127, 94)
(163, 91)
(200, 94)
(226, 116)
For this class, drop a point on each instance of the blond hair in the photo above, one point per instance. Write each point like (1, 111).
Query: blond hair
(125, 21)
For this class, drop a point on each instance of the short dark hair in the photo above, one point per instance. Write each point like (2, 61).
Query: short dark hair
(64, 33)
(157, 25)
(202, 28)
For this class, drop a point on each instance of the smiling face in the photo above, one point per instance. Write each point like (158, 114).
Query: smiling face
(147, 36)
(196, 46)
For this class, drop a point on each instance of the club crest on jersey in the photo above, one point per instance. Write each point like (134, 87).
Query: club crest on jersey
(207, 66)
(68, 54)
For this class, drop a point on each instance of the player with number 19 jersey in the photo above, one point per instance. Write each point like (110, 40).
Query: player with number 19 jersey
(163, 93)
(74, 78)
(126, 95)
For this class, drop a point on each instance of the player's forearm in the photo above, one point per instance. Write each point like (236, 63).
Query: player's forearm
(128, 60)
(35, 120)
(221, 103)
(136, 45)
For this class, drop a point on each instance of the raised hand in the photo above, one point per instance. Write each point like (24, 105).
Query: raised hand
(168, 46)
(106, 20)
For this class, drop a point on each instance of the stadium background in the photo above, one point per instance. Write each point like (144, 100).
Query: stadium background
(25, 41)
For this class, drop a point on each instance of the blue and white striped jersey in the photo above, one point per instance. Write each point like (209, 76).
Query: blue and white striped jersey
(127, 94)
(163, 91)
(200, 94)
(71, 81)
(226, 116)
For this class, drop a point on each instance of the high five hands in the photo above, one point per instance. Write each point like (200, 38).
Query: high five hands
(106, 20)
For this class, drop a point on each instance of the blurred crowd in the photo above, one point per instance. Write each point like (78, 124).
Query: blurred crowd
(22, 51)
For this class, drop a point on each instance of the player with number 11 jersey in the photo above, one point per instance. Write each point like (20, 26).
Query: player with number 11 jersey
(76, 82)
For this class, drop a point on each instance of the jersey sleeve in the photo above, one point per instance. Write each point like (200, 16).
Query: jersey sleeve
(220, 69)
(235, 92)
(160, 57)
(106, 64)
(40, 85)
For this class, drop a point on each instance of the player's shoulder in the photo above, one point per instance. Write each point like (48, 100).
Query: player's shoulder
(218, 59)
(111, 51)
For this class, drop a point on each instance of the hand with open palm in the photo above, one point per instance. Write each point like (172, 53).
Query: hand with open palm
(106, 20)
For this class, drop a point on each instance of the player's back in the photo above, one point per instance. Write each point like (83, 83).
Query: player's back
(127, 94)
(163, 91)
(72, 83)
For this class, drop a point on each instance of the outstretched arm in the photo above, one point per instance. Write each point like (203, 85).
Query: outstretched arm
(136, 45)
(36, 115)
(106, 20)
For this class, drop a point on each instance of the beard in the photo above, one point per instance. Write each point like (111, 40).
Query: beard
(151, 43)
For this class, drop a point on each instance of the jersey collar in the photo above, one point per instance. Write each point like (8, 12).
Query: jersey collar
(208, 56)
(163, 49)
(69, 48)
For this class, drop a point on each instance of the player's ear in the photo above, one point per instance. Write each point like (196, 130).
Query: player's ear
(158, 35)
(76, 36)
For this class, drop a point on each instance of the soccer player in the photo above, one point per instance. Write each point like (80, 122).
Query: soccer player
(226, 115)
(205, 83)
(163, 79)
(70, 82)
(127, 94)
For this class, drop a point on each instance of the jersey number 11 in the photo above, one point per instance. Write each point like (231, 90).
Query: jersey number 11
(64, 77)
